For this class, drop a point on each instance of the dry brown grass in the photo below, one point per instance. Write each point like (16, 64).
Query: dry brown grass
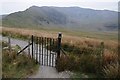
(111, 70)
(74, 40)
(110, 56)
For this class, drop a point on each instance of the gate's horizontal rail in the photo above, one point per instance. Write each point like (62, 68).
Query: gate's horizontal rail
(24, 48)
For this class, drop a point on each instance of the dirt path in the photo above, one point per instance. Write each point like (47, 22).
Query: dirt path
(50, 72)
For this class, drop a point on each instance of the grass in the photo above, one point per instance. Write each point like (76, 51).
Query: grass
(13, 66)
(82, 75)
(105, 35)
(83, 49)
(111, 70)
(68, 37)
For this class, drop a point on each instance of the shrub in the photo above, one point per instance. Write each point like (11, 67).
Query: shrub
(73, 63)
(67, 63)
(89, 63)
(85, 59)
(8, 56)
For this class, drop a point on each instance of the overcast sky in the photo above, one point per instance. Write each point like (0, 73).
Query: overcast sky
(7, 6)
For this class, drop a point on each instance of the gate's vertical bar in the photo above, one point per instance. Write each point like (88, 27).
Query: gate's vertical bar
(42, 51)
(32, 45)
(36, 49)
(56, 49)
(34, 53)
(59, 45)
(50, 53)
(53, 53)
(39, 49)
(47, 50)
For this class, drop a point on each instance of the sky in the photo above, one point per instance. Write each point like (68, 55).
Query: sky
(11, 6)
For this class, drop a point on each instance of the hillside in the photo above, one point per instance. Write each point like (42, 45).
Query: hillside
(65, 17)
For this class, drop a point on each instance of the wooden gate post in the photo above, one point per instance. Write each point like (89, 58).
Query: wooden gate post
(59, 44)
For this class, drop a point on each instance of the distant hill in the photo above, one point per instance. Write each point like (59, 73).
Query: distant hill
(2, 16)
(67, 17)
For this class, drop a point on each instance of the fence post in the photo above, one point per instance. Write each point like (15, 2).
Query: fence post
(9, 42)
(59, 44)
(102, 48)
(32, 45)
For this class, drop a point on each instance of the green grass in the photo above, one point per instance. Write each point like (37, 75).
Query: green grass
(14, 66)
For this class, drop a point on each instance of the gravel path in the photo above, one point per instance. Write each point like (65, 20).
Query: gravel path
(44, 71)
(50, 72)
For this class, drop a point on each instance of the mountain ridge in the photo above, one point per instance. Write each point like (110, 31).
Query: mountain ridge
(68, 17)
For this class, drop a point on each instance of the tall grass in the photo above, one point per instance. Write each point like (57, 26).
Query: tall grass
(87, 59)
(87, 55)
(111, 70)
(14, 35)
(74, 40)
(16, 66)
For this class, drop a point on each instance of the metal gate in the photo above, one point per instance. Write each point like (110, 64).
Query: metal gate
(44, 50)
